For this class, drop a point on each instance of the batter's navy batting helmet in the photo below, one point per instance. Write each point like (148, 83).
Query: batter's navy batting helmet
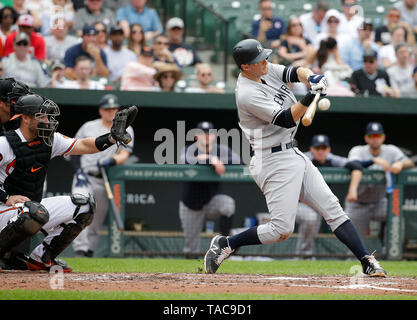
(250, 51)
(11, 89)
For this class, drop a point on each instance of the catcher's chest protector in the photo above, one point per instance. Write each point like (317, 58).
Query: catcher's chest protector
(27, 173)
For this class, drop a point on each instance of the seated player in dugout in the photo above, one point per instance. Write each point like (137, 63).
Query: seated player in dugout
(308, 219)
(201, 201)
(26, 153)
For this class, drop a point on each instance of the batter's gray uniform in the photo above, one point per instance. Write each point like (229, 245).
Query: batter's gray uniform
(285, 176)
(88, 238)
(307, 218)
(372, 201)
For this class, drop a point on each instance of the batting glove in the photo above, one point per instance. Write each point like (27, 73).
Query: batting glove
(318, 84)
(104, 163)
(81, 179)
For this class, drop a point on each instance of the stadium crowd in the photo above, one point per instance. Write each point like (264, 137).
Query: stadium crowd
(103, 44)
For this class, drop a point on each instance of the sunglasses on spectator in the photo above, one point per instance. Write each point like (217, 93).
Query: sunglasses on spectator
(162, 43)
(22, 43)
(101, 30)
(369, 60)
(333, 21)
(296, 24)
(137, 31)
(375, 135)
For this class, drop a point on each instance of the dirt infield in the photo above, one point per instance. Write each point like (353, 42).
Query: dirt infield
(217, 283)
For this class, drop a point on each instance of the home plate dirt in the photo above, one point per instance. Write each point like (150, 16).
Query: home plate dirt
(211, 283)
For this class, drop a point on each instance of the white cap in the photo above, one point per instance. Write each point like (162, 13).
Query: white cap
(175, 22)
(332, 13)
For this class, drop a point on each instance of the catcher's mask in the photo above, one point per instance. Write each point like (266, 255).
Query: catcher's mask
(44, 110)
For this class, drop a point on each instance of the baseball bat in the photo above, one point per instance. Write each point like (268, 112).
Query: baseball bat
(311, 111)
(116, 212)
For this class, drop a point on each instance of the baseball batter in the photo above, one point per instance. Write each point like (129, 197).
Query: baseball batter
(88, 179)
(269, 115)
(372, 201)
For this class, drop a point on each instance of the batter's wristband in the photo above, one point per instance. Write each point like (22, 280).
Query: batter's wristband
(307, 99)
(103, 142)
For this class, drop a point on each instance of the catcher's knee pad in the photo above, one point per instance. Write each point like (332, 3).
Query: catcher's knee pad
(28, 223)
(83, 219)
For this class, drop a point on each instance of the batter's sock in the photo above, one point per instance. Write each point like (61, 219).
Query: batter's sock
(347, 234)
(245, 238)
(225, 224)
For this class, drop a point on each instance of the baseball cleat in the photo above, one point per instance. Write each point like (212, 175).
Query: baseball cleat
(34, 265)
(371, 267)
(218, 251)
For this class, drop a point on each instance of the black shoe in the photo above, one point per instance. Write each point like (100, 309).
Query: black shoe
(83, 254)
(218, 251)
(15, 261)
(371, 267)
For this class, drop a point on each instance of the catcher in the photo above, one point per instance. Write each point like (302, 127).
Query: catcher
(26, 152)
(88, 177)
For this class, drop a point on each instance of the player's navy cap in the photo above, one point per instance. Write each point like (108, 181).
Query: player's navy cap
(205, 125)
(89, 29)
(250, 51)
(109, 101)
(320, 140)
(374, 128)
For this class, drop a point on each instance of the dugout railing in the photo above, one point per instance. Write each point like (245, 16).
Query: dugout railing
(118, 177)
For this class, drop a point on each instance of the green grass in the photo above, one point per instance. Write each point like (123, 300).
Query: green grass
(282, 267)
(278, 267)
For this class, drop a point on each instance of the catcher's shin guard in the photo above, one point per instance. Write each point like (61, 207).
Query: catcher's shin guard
(25, 225)
(71, 230)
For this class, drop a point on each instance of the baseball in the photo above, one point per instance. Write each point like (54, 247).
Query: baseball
(324, 104)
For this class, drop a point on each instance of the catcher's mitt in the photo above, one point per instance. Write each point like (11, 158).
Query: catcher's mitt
(121, 121)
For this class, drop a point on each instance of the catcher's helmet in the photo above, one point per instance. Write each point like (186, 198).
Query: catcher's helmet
(38, 106)
(250, 51)
(12, 89)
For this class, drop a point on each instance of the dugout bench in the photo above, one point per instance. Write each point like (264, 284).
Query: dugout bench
(237, 173)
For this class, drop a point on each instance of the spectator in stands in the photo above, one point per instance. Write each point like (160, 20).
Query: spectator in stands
(37, 42)
(59, 41)
(268, 29)
(57, 75)
(117, 55)
(408, 9)
(401, 73)
(88, 47)
(138, 12)
(1, 69)
(201, 201)
(349, 20)
(166, 76)
(294, 48)
(326, 60)
(332, 20)
(161, 52)
(138, 76)
(115, 5)
(93, 12)
(8, 19)
(412, 92)
(83, 71)
(205, 79)
(21, 65)
(61, 9)
(102, 37)
(314, 22)
(386, 54)
(383, 33)
(185, 53)
(136, 40)
(19, 6)
(370, 80)
(353, 51)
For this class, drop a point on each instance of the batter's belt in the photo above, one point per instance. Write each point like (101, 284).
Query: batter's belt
(278, 148)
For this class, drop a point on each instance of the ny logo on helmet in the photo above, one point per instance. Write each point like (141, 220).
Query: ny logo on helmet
(259, 47)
